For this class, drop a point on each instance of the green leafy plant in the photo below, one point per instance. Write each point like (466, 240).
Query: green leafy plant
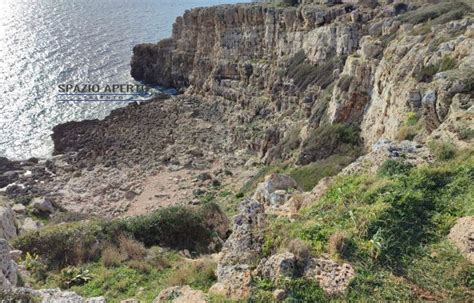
(73, 276)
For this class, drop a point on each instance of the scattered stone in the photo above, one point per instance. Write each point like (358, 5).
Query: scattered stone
(332, 277)
(43, 205)
(181, 294)
(462, 236)
(30, 225)
(279, 295)
(275, 190)
(19, 208)
(276, 266)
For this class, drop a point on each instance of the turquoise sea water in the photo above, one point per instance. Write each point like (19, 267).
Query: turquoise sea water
(44, 43)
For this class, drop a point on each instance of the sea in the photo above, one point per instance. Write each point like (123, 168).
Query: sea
(48, 43)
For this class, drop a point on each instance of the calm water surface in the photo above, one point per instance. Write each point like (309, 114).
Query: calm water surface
(44, 43)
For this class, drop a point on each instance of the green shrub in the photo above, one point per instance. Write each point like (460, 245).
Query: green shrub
(442, 150)
(81, 242)
(427, 72)
(328, 140)
(72, 276)
(395, 167)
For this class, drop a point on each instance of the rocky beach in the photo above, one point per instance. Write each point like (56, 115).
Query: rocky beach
(316, 151)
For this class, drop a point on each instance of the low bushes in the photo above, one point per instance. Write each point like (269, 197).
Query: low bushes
(427, 72)
(81, 242)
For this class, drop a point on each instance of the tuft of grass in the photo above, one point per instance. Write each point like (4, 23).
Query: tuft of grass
(442, 150)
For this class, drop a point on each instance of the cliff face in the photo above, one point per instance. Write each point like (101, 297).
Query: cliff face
(344, 63)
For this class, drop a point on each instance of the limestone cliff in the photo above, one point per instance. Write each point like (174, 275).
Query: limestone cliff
(359, 62)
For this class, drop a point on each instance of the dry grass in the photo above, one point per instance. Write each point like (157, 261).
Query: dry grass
(111, 256)
(300, 249)
(131, 248)
(337, 244)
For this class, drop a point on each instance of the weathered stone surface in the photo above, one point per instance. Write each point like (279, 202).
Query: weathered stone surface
(8, 268)
(55, 295)
(240, 250)
(29, 225)
(7, 223)
(275, 190)
(407, 151)
(462, 236)
(332, 277)
(233, 281)
(276, 266)
(43, 205)
(181, 294)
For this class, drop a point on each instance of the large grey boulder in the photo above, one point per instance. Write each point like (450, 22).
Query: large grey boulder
(43, 205)
(275, 190)
(7, 223)
(8, 268)
(279, 265)
(240, 251)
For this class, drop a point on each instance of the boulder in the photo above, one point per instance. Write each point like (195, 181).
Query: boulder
(407, 151)
(181, 294)
(275, 190)
(7, 223)
(462, 236)
(55, 295)
(234, 282)
(43, 205)
(8, 268)
(332, 277)
(241, 249)
(278, 265)
(19, 208)
(29, 225)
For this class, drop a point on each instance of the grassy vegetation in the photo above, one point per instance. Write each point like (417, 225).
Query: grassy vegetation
(330, 139)
(81, 242)
(307, 176)
(439, 13)
(141, 278)
(427, 72)
(411, 127)
(392, 227)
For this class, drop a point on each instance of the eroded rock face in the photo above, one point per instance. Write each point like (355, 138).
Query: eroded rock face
(7, 223)
(240, 251)
(406, 151)
(8, 268)
(276, 266)
(181, 294)
(462, 236)
(332, 277)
